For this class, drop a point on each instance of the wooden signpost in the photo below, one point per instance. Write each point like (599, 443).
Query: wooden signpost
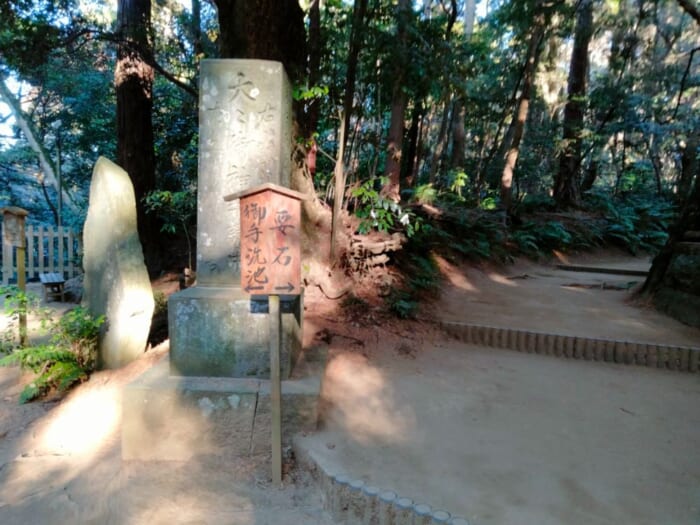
(271, 265)
(13, 235)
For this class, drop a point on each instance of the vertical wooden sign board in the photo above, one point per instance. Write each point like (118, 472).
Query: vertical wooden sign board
(13, 235)
(270, 218)
(13, 226)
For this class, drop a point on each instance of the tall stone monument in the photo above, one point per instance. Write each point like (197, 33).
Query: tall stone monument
(244, 141)
(213, 397)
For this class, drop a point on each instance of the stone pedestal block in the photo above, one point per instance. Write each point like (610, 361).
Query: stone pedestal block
(223, 332)
(168, 418)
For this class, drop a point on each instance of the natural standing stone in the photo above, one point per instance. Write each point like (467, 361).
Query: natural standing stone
(116, 281)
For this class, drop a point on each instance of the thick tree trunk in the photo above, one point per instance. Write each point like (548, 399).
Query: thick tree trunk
(133, 80)
(567, 191)
(399, 100)
(689, 220)
(517, 127)
(265, 29)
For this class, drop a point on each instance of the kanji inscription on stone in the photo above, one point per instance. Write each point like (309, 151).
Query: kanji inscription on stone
(270, 232)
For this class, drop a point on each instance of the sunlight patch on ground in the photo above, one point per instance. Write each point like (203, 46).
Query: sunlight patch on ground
(577, 289)
(84, 423)
(501, 279)
(363, 402)
(456, 276)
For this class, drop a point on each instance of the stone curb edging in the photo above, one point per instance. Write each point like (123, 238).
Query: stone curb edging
(600, 269)
(679, 358)
(353, 502)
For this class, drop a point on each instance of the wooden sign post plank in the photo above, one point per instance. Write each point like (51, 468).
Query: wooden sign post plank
(13, 235)
(271, 265)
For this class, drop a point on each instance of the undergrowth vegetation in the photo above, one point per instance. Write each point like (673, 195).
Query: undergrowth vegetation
(464, 230)
(70, 354)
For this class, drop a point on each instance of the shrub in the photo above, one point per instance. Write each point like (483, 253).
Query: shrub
(383, 214)
(69, 357)
(17, 303)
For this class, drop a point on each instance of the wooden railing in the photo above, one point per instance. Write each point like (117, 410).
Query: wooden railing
(49, 249)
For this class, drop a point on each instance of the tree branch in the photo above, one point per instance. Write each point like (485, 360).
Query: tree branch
(683, 81)
(147, 57)
(32, 136)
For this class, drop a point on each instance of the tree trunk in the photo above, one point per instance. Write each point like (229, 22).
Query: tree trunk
(312, 113)
(133, 80)
(412, 153)
(399, 100)
(338, 194)
(265, 29)
(197, 28)
(358, 17)
(469, 17)
(690, 165)
(309, 122)
(459, 135)
(440, 145)
(689, 220)
(517, 127)
(272, 30)
(567, 191)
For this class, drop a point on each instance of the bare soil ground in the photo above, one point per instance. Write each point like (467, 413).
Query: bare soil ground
(498, 437)
(504, 438)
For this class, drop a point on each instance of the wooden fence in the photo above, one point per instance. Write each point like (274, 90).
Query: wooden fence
(49, 249)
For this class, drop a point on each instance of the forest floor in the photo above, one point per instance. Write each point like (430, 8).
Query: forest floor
(495, 436)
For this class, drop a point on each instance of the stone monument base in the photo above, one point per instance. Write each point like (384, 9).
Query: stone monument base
(224, 332)
(169, 418)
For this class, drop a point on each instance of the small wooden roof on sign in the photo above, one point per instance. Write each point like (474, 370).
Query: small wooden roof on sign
(265, 187)
(14, 210)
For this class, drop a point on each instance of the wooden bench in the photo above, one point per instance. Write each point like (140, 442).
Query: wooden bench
(53, 286)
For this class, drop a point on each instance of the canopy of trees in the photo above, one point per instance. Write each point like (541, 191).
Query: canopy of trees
(470, 115)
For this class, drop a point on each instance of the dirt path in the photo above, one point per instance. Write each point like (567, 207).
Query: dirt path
(546, 298)
(61, 463)
(496, 436)
(505, 438)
